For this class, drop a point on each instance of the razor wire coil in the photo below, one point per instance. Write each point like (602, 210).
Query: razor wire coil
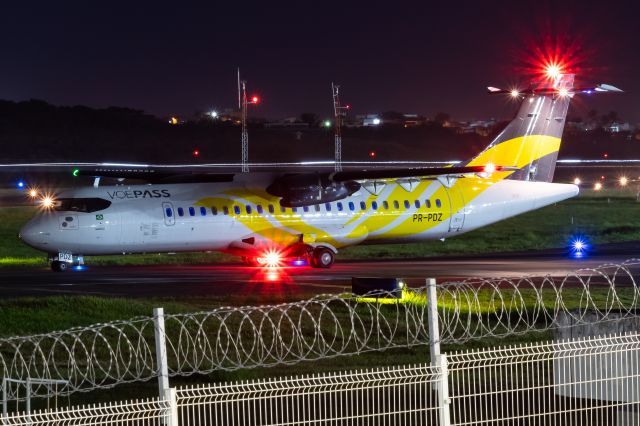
(231, 338)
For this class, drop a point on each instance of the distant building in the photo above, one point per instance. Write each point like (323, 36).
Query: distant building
(479, 127)
(617, 127)
(288, 122)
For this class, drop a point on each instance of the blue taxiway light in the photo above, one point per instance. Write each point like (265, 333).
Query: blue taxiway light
(20, 184)
(299, 262)
(578, 247)
(79, 268)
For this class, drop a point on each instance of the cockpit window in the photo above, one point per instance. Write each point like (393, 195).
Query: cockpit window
(84, 205)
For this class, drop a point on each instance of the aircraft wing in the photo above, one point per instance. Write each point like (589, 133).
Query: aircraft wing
(418, 172)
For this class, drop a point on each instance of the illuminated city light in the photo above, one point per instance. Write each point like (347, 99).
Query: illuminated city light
(196, 153)
(623, 181)
(33, 193)
(597, 186)
(577, 181)
(376, 121)
(173, 121)
(213, 114)
(372, 154)
(327, 123)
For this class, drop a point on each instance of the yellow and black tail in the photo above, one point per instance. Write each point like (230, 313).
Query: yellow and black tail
(531, 141)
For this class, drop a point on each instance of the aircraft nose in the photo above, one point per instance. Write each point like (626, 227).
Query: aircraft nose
(35, 233)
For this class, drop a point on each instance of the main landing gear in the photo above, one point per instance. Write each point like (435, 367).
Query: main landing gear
(322, 257)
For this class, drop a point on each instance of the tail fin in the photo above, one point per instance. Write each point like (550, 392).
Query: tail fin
(531, 141)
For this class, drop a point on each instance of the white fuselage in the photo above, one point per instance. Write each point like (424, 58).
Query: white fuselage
(221, 216)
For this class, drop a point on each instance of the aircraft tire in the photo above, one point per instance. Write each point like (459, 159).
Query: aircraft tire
(322, 257)
(58, 266)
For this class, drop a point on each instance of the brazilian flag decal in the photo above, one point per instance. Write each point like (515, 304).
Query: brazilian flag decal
(99, 217)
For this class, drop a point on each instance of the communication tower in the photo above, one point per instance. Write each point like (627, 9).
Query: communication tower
(339, 113)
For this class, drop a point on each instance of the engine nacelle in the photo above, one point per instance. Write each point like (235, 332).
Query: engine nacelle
(306, 189)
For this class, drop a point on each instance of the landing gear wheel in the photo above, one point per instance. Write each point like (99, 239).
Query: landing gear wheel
(322, 257)
(58, 266)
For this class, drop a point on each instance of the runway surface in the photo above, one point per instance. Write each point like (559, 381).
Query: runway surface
(236, 280)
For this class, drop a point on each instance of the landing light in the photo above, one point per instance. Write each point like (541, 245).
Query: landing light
(47, 202)
(515, 93)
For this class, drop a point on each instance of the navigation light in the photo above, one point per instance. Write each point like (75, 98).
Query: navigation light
(489, 168)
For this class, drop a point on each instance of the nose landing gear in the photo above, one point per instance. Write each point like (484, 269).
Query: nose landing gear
(59, 265)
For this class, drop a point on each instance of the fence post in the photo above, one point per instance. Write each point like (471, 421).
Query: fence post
(4, 396)
(432, 317)
(172, 415)
(443, 392)
(161, 351)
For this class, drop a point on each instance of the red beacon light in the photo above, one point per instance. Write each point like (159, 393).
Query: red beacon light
(196, 153)
(255, 99)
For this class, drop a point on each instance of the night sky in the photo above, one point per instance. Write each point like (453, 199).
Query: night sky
(423, 57)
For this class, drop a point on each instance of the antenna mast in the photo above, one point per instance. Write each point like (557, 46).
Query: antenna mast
(242, 105)
(339, 112)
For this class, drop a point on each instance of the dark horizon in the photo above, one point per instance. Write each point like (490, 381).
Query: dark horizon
(411, 57)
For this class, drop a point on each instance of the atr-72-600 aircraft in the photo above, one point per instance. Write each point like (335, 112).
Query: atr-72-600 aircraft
(266, 217)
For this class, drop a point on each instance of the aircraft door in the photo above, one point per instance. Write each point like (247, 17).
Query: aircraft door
(458, 208)
(169, 213)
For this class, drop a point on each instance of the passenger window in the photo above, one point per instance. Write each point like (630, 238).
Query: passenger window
(203, 211)
(406, 204)
(396, 205)
(214, 210)
(306, 209)
(169, 212)
(248, 209)
(352, 206)
(294, 209)
(438, 203)
(427, 203)
(417, 204)
(339, 205)
(317, 207)
(180, 211)
(363, 205)
(236, 209)
(385, 204)
(192, 211)
(225, 210)
(271, 209)
(259, 209)
(374, 205)
(283, 209)
(328, 206)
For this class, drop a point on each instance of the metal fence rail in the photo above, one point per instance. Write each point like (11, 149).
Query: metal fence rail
(231, 338)
(150, 412)
(574, 382)
(399, 395)
(589, 381)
